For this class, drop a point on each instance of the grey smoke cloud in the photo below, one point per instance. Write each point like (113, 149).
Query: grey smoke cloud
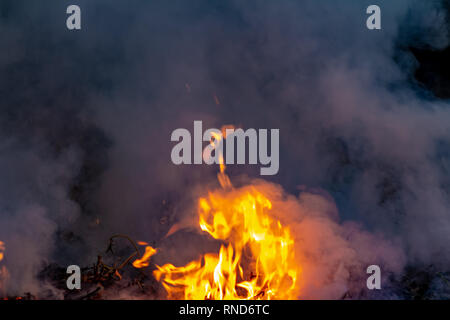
(86, 118)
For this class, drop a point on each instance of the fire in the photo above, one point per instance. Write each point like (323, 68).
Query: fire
(224, 180)
(143, 262)
(3, 270)
(2, 249)
(255, 261)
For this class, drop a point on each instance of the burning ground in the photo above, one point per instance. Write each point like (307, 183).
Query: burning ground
(85, 123)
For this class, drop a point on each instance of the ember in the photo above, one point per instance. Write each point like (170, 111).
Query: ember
(257, 261)
(3, 270)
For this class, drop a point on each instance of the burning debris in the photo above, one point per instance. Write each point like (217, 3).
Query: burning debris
(257, 258)
(272, 247)
(257, 261)
(258, 147)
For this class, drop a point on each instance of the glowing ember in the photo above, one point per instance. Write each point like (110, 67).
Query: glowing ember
(143, 262)
(3, 270)
(257, 261)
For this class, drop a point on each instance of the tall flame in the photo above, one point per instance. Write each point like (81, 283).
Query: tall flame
(256, 260)
(224, 180)
(143, 262)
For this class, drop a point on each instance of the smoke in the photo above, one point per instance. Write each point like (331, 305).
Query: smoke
(86, 118)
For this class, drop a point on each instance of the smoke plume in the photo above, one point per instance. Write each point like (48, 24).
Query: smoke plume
(86, 118)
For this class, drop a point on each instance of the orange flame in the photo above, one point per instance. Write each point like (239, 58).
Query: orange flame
(224, 180)
(2, 249)
(143, 262)
(3, 271)
(257, 261)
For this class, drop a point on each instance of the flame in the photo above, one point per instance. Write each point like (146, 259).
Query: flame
(224, 129)
(255, 261)
(2, 249)
(224, 180)
(143, 262)
(3, 271)
(216, 99)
